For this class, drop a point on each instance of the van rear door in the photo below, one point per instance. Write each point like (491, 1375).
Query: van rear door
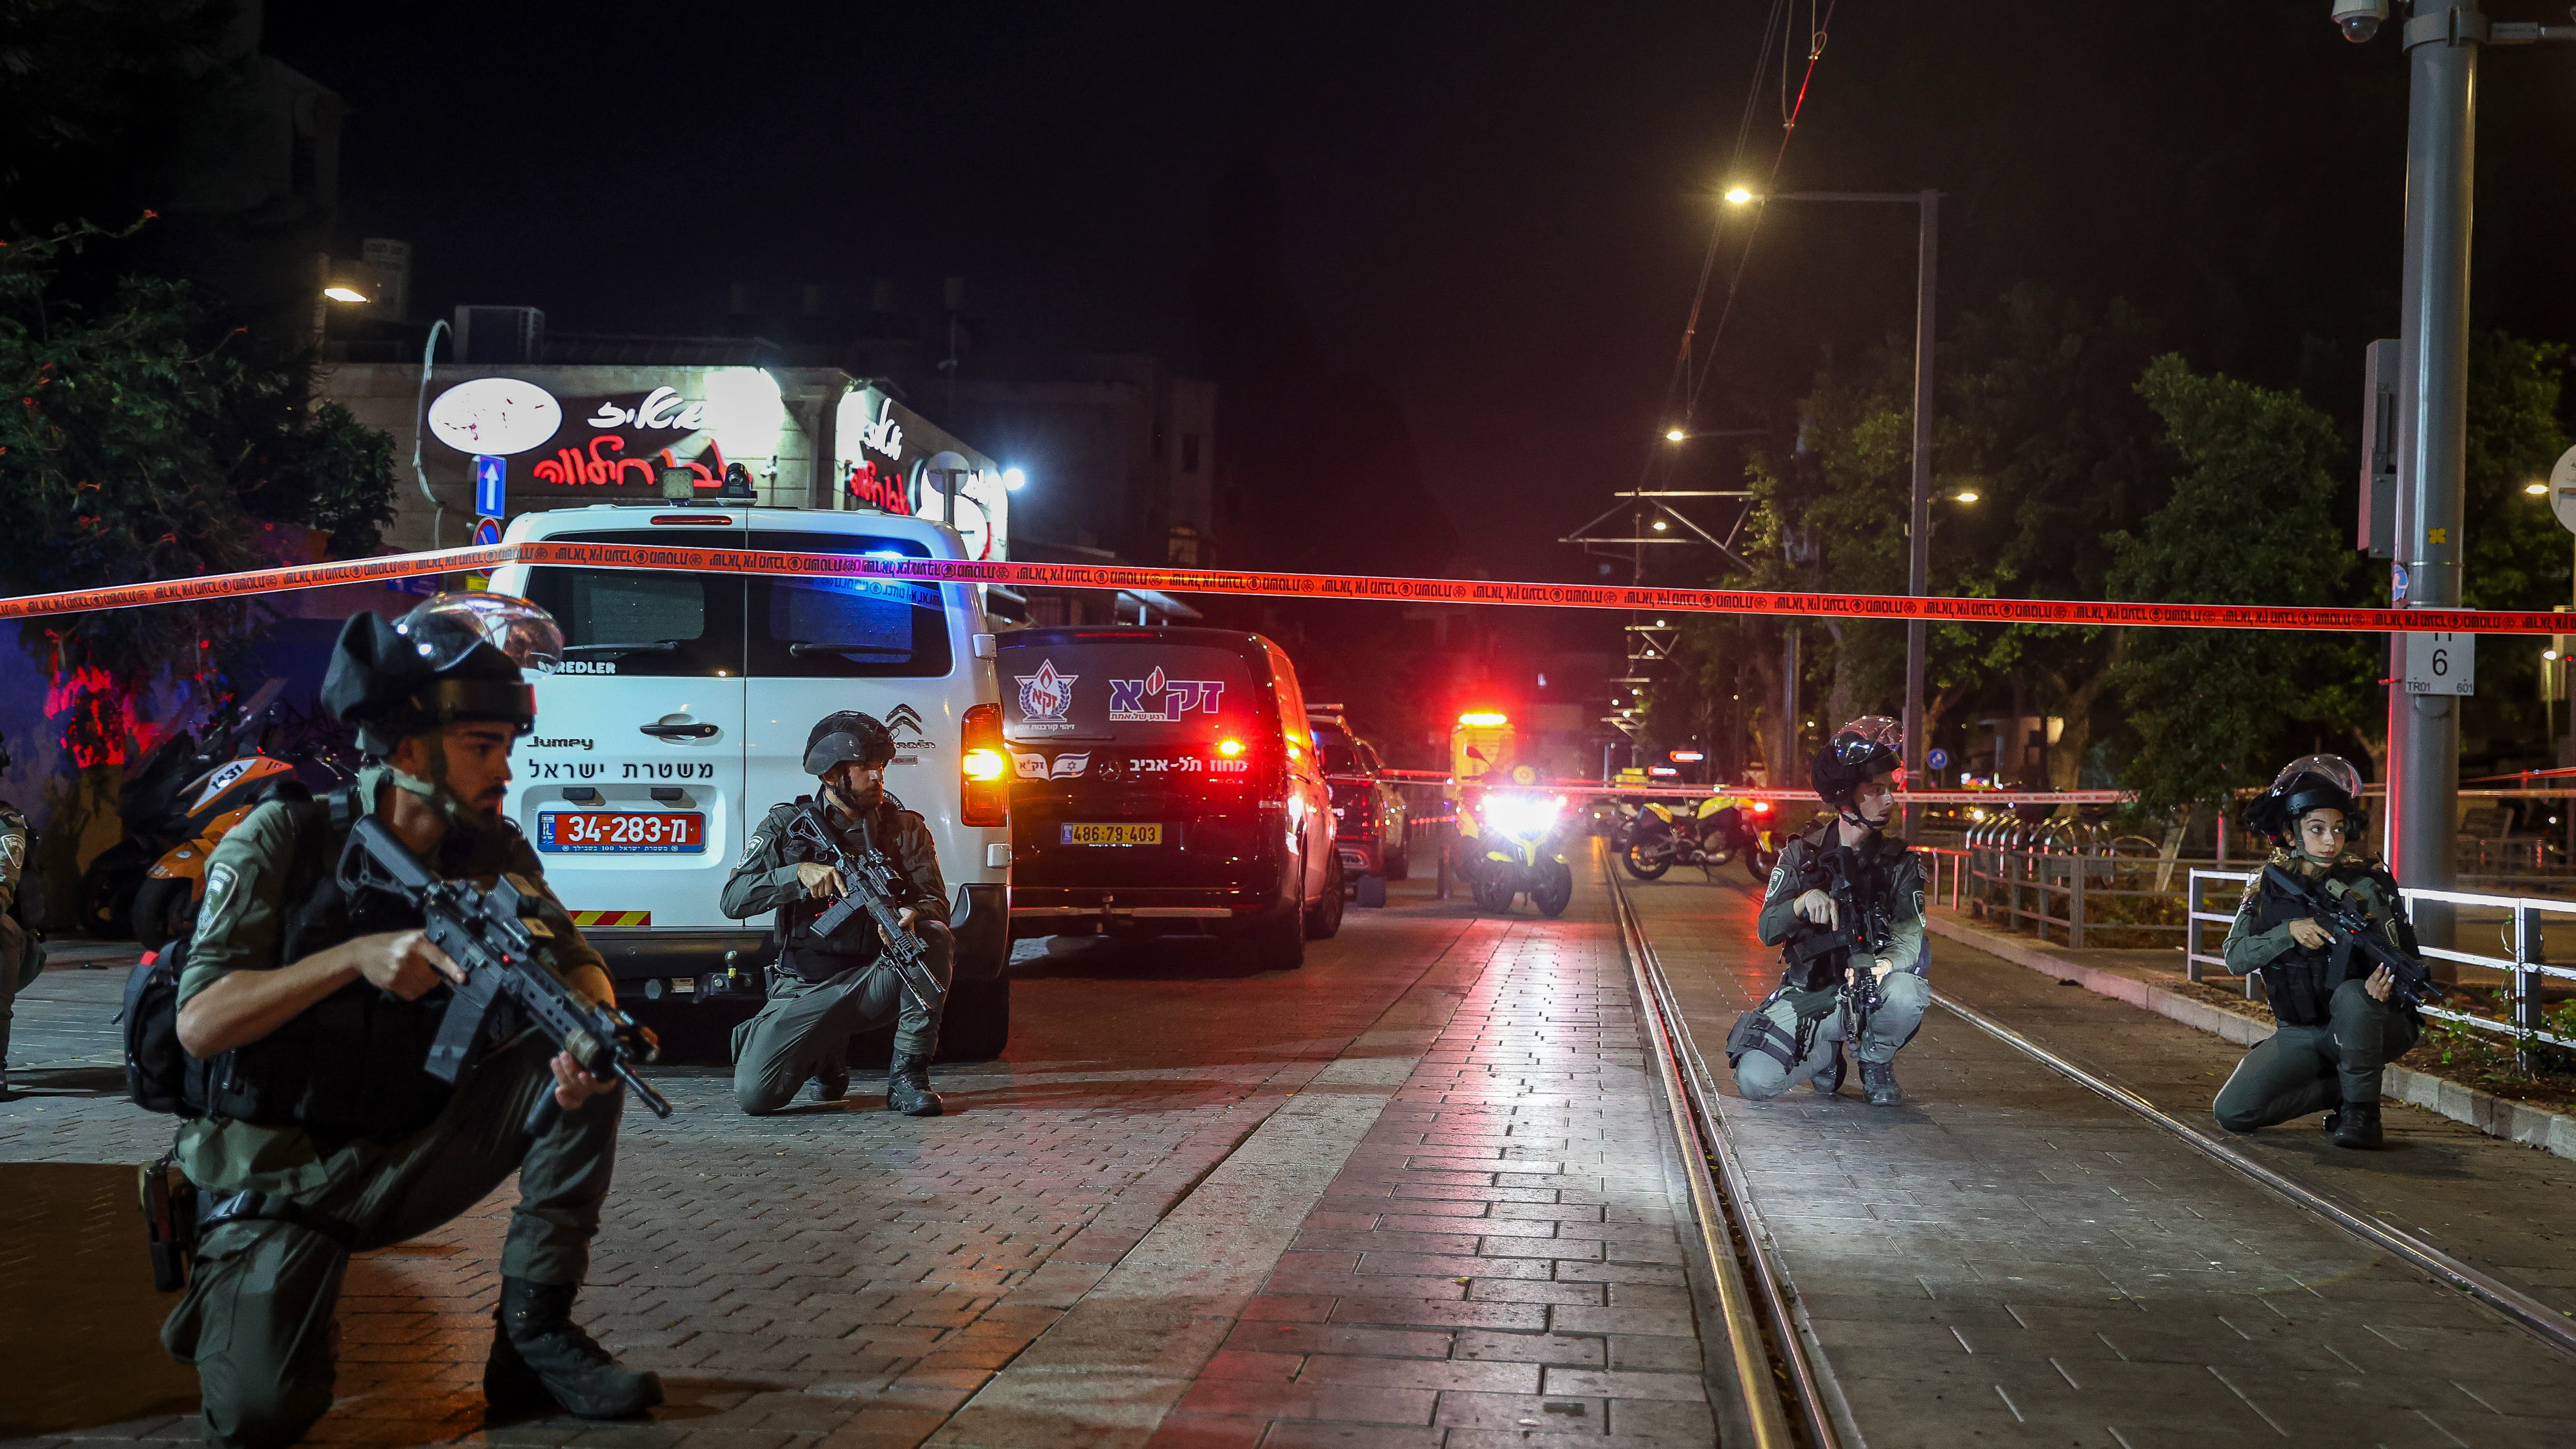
(1143, 766)
(882, 646)
(631, 786)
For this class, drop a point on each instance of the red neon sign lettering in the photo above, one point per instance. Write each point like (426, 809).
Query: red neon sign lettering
(572, 467)
(866, 485)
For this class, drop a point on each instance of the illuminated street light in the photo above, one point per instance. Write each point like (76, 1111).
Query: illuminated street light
(1660, 525)
(1965, 495)
(2536, 489)
(1739, 195)
(1014, 479)
(344, 294)
(1674, 435)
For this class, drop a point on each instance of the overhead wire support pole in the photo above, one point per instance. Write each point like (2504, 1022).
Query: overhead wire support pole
(1918, 562)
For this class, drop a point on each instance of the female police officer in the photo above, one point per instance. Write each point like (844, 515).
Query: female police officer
(2336, 1028)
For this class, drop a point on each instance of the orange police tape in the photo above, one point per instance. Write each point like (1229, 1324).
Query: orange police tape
(1300, 586)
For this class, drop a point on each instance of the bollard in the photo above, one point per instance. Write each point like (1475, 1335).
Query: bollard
(1440, 886)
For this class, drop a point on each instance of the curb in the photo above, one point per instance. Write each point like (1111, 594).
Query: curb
(2551, 1132)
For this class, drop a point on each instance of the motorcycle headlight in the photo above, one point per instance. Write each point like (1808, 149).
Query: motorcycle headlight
(1521, 814)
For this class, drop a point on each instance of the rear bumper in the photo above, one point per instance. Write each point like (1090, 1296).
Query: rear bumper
(1365, 856)
(1062, 910)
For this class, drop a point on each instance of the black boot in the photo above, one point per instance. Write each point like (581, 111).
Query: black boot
(540, 1359)
(1830, 1080)
(2357, 1124)
(908, 1086)
(1879, 1080)
(832, 1081)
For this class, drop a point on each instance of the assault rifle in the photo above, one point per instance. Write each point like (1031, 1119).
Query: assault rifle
(495, 937)
(2347, 921)
(867, 882)
(1840, 955)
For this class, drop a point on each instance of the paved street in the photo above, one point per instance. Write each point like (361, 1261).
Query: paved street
(2008, 1258)
(1413, 1194)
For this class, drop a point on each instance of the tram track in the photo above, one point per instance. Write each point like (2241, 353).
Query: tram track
(1783, 1388)
(1795, 1398)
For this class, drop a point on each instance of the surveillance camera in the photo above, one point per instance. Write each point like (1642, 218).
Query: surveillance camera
(2360, 18)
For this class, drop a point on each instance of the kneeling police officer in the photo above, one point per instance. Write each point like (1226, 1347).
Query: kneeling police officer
(2335, 1028)
(824, 990)
(311, 1010)
(1843, 867)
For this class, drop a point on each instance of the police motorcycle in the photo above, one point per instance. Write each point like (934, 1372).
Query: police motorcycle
(282, 753)
(1718, 831)
(1512, 841)
(182, 796)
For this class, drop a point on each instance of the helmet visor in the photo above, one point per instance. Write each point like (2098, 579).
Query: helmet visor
(1862, 739)
(449, 626)
(2333, 769)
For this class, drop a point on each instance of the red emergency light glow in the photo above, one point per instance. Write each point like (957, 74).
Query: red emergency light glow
(1686, 757)
(1483, 718)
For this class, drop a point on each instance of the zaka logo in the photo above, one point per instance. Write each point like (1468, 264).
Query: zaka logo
(903, 717)
(1045, 696)
(1177, 697)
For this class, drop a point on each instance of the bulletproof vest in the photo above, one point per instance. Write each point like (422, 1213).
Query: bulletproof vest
(2300, 983)
(855, 944)
(353, 1063)
(1811, 960)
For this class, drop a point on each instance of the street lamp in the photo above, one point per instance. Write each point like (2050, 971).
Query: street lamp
(1964, 495)
(1918, 567)
(1674, 435)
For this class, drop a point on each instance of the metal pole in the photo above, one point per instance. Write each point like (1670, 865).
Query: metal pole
(1788, 778)
(2442, 43)
(1918, 567)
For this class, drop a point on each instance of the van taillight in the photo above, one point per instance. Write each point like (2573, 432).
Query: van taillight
(987, 768)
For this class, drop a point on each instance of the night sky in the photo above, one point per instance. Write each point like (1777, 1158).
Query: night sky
(1496, 212)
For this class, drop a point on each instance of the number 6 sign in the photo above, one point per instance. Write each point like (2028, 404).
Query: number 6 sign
(2440, 663)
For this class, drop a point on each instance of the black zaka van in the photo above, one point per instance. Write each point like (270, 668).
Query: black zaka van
(1167, 783)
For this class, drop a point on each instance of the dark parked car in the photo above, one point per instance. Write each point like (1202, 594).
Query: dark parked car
(1167, 783)
(1368, 808)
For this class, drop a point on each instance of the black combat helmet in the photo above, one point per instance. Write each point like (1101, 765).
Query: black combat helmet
(2310, 782)
(1859, 752)
(847, 736)
(457, 657)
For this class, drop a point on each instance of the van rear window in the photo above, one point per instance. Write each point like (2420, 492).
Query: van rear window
(667, 623)
(1145, 692)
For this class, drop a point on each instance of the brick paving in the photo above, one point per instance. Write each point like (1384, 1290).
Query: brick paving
(2008, 1258)
(1417, 1185)
(1498, 1262)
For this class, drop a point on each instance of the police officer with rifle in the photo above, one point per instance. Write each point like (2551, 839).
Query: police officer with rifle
(331, 1109)
(2327, 931)
(862, 926)
(1845, 904)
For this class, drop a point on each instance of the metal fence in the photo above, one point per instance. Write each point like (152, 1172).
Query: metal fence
(2519, 921)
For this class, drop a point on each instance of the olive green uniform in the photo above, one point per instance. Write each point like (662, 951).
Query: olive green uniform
(820, 994)
(256, 1321)
(1812, 1019)
(2305, 1068)
(14, 838)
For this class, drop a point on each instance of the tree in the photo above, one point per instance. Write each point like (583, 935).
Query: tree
(140, 442)
(2250, 521)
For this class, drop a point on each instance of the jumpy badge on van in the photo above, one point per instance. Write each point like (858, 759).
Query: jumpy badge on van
(1172, 697)
(1044, 699)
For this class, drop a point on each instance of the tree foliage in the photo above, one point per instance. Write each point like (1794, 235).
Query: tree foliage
(2250, 521)
(139, 441)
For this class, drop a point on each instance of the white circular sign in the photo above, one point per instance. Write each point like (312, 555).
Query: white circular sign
(495, 415)
(2562, 490)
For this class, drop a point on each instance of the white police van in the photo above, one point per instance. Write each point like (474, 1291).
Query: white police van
(680, 717)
